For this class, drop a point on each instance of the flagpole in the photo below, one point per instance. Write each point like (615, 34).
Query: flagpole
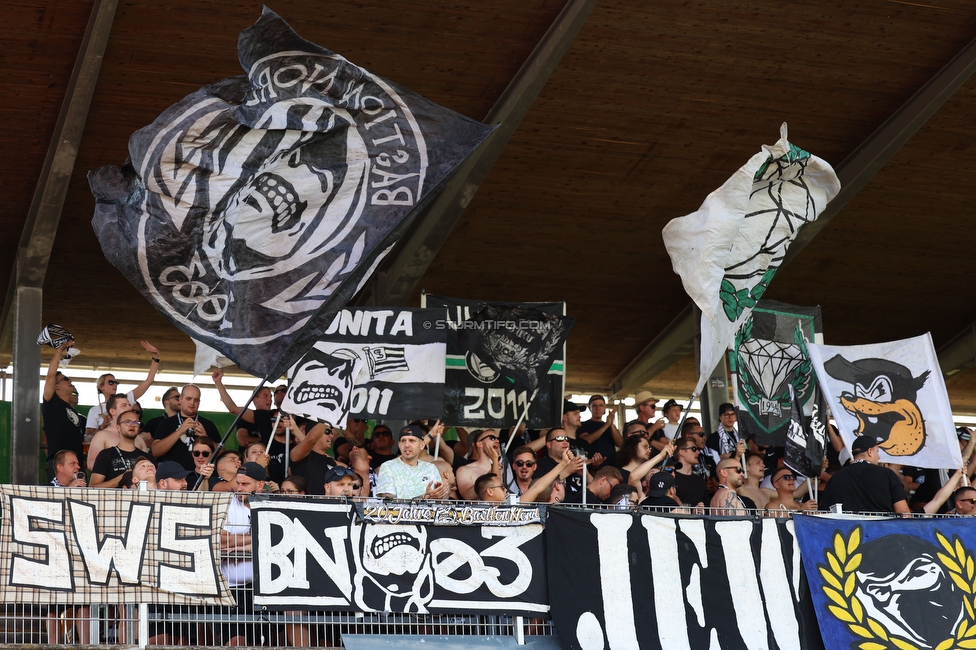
(233, 427)
(524, 416)
(287, 445)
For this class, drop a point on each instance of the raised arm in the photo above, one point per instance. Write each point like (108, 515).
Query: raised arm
(51, 380)
(141, 389)
(641, 470)
(540, 486)
(218, 376)
(305, 447)
(944, 492)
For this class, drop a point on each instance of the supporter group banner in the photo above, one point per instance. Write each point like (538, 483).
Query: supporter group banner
(624, 580)
(312, 554)
(397, 368)
(906, 584)
(769, 357)
(82, 546)
(253, 209)
(475, 394)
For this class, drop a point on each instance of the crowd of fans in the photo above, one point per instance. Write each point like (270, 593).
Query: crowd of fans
(664, 463)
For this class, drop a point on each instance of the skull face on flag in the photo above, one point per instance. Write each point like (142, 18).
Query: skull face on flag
(250, 211)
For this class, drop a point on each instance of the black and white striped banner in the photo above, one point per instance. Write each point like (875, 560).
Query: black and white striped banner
(622, 580)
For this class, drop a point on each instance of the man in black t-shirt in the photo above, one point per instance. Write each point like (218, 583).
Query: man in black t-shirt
(63, 426)
(171, 406)
(173, 439)
(381, 446)
(256, 423)
(863, 486)
(661, 492)
(112, 462)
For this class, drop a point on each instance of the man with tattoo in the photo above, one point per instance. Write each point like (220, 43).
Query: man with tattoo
(726, 502)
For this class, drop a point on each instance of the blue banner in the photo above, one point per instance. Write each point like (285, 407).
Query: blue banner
(899, 583)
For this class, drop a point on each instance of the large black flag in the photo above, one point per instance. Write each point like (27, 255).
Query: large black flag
(253, 209)
(518, 341)
(806, 436)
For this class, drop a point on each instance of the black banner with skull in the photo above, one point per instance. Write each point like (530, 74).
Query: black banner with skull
(397, 358)
(314, 554)
(477, 395)
(253, 209)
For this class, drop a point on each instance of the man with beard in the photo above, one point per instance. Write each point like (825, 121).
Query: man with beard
(726, 501)
(784, 481)
(257, 421)
(111, 435)
(171, 406)
(488, 486)
(112, 462)
(408, 477)
(173, 439)
(523, 466)
(235, 538)
(342, 482)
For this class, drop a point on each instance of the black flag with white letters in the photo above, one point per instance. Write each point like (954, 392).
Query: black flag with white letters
(253, 209)
(658, 582)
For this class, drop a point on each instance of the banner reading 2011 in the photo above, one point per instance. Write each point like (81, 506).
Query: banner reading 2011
(476, 395)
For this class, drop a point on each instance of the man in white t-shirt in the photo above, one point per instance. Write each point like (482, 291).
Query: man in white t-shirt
(408, 477)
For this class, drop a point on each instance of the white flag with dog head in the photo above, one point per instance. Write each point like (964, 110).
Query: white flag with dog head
(895, 393)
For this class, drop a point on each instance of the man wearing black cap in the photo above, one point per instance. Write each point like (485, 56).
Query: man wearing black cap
(863, 486)
(342, 482)
(170, 475)
(726, 441)
(661, 492)
(408, 477)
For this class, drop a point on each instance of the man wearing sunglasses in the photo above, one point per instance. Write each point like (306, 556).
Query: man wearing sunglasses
(726, 501)
(523, 466)
(482, 462)
(557, 445)
(108, 385)
(784, 481)
(381, 447)
(112, 462)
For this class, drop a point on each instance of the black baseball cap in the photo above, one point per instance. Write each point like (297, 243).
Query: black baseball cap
(725, 408)
(660, 483)
(569, 407)
(862, 443)
(253, 470)
(171, 469)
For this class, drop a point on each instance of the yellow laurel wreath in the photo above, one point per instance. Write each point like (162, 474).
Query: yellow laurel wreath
(840, 582)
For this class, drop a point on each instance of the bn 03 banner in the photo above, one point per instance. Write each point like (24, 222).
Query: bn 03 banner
(316, 555)
(624, 580)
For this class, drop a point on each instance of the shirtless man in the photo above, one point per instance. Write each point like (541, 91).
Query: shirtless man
(784, 480)
(483, 463)
(755, 469)
(726, 501)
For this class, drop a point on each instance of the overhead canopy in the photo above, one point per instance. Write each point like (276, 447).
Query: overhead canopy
(652, 107)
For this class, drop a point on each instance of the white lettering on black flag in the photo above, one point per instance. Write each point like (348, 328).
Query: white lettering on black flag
(672, 583)
(398, 361)
(255, 208)
(475, 394)
(317, 555)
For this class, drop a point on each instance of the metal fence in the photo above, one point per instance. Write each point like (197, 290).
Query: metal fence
(130, 624)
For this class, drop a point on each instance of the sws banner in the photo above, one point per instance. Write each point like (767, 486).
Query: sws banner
(81, 546)
(318, 555)
(906, 584)
(398, 365)
(656, 581)
(478, 396)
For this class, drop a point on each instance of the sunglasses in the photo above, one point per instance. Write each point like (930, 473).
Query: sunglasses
(199, 454)
(967, 500)
(786, 477)
(356, 486)
(761, 449)
(737, 470)
(491, 438)
(498, 487)
(695, 449)
(380, 434)
(559, 439)
(111, 382)
(524, 463)
(127, 423)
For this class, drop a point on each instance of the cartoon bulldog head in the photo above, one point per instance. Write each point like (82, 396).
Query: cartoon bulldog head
(883, 401)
